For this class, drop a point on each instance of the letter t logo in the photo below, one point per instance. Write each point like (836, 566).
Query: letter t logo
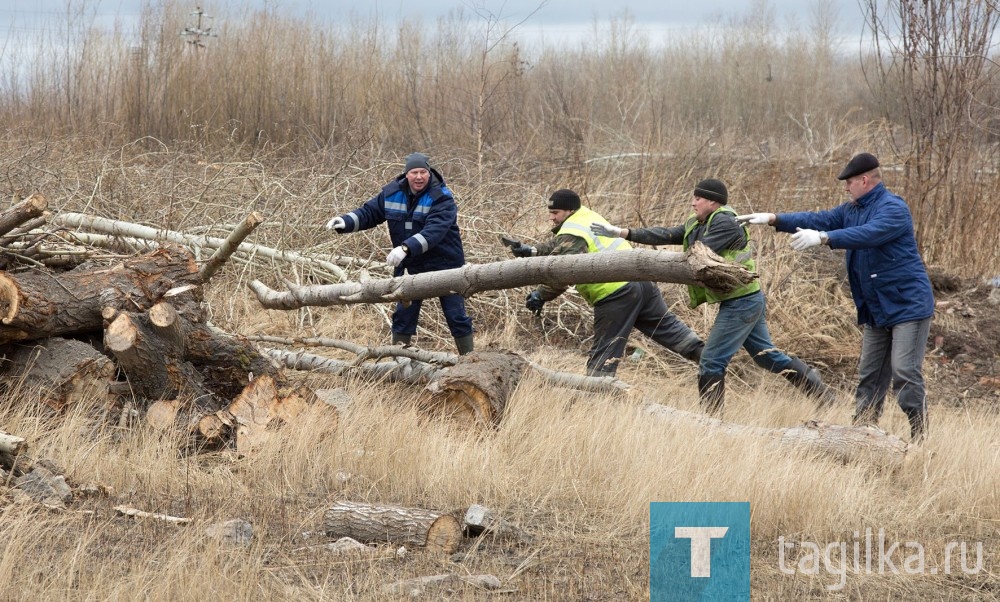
(701, 546)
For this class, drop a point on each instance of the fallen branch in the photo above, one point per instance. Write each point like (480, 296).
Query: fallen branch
(127, 229)
(229, 246)
(136, 513)
(301, 360)
(698, 266)
(845, 443)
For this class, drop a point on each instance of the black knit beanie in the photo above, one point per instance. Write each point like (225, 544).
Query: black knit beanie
(564, 199)
(415, 160)
(713, 190)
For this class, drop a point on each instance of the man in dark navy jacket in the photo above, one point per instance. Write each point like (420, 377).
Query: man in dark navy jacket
(889, 283)
(422, 217)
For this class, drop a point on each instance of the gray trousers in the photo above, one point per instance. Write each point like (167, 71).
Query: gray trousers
(892, 356)
(636, 305)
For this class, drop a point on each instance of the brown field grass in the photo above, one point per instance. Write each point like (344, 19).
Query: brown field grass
(194, 143)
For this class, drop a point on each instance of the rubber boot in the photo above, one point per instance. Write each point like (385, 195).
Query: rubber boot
(464, 344)
(918, 426)
(712, 392)
(809, 380)
(402, 339)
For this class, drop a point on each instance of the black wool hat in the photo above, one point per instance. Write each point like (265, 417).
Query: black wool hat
(713, 190)
(564, 199)
(858, 165)
(415, 160)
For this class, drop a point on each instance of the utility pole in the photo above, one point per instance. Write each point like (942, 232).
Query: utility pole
(197, 32)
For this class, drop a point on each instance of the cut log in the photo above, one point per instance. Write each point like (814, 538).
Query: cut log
(61, 371)
(162, 415)
(154, 364)
(480, 520)
(30, 208)
(35, 305)
(12, 445)
(369, 523)
(698, 266)
(248, 417)
(476, 389)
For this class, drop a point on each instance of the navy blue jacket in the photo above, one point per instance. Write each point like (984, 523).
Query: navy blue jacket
(427, 224)
(888, 279)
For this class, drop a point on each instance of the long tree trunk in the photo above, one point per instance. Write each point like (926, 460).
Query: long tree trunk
(699, 266)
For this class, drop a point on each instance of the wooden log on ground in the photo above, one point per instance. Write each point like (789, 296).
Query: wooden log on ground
(36, 305)
(370, 523)
(28, 209)
(60, 371)
(844, 443)
(12, 445)
(476, 389)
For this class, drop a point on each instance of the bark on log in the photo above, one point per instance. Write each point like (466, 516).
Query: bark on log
(476, 389)
(229, 245)
(61, 371)
(407, 371)
(28, 209)
(137, 231)
(844, 443)
(371, 523)
(11, 445)
(154, 364)
(35, 305)
(698, 266)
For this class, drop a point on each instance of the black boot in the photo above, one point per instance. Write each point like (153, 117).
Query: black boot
(464, 344)
(809, 380)
(402, 339)
(918, 426)
(712, 391)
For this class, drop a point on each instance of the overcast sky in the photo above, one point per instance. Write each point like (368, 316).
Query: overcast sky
(554, 20)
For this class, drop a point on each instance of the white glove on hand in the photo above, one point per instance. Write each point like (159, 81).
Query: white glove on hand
(606, 230)
(336, 223)
(396, 256)
(758, 219)
(803, 239)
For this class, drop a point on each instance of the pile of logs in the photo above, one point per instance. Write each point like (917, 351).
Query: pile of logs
(132, 330)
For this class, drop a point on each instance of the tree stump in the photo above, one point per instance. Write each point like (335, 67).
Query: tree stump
(476, 389)
(370, 523)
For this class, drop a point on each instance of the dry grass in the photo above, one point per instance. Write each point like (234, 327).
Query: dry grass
(159, 138)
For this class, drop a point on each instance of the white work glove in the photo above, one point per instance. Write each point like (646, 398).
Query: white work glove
(757, 219)
(336, 223)
(396, 256)
(606, 230)
(803, 239)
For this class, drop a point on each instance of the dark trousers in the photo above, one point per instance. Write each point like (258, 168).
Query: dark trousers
(404, 319)
(636, 305)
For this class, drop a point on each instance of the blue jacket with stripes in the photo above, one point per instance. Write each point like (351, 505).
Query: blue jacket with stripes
(427, 223)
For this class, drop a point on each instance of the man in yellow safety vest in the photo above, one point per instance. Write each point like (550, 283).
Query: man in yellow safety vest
(618, 306)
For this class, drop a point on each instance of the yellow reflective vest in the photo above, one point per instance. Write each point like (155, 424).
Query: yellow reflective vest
(578, 225)
(699, 294)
